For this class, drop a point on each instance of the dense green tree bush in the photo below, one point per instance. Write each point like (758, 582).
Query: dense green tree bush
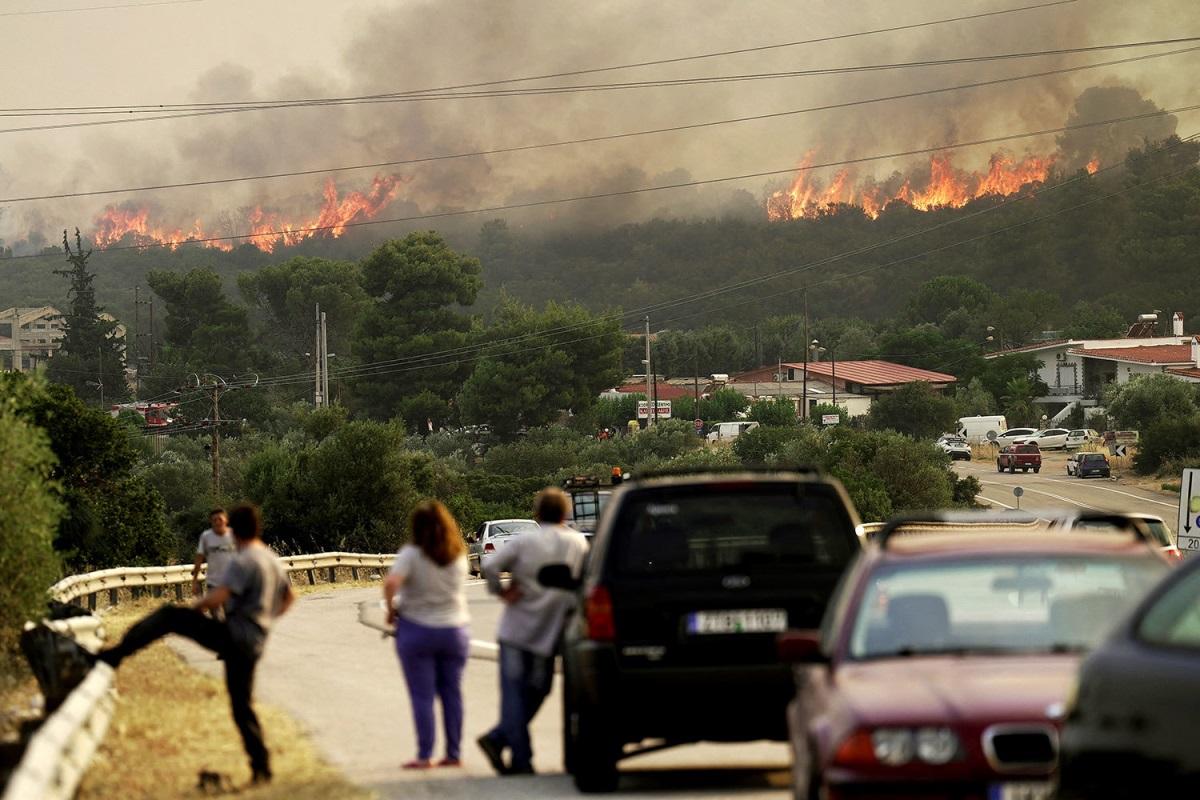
(779, 411)
(915, 410)
(1149, 399)
(1168, 438)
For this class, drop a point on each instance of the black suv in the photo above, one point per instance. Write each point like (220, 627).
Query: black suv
(690, 580)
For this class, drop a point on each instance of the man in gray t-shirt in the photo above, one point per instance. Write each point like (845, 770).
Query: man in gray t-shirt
(254, 590)
(215, 548)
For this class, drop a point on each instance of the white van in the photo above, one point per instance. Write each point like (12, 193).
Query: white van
(976, 429)
(728, 431)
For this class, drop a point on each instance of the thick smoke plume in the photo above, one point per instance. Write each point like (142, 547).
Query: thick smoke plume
(417, 45)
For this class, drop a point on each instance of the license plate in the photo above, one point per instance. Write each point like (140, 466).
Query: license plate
(758, 620)
(1024, 790)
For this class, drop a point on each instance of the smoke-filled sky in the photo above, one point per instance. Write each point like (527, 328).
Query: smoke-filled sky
(229, 50)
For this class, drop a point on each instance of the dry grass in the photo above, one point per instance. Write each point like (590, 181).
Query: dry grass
(172, 722)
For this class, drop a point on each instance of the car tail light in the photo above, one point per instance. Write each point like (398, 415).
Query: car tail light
(856, 751)
(598, 612)
(489, 548)
(1175, 553)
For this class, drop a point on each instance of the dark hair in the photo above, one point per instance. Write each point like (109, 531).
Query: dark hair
(551, 505)
(436, 533)
(216, 511)
(245, 522)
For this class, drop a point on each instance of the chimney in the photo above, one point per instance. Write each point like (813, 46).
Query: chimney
(1177, 324)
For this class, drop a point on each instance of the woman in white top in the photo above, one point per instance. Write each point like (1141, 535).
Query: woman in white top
(429, 576)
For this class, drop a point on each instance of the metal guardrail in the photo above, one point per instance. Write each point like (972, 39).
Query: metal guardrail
(62, 749)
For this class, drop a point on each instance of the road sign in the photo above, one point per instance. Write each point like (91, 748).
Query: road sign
(1120, 451)
(831, 419)
(664, 409)
(1189, 511)
(699, 423)
(1017, 492)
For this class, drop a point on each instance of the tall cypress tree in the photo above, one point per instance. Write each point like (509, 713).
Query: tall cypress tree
(91, 357)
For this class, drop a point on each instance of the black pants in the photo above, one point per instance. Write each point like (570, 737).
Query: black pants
(215, 636)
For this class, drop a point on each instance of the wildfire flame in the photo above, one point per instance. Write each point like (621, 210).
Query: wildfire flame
(268, 229)
(943, 186)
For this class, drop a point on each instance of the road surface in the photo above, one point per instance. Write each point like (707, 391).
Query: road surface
(1053, 489)
(340, 678)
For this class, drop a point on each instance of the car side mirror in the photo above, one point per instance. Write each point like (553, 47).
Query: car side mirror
(800, 647)
(558, 576)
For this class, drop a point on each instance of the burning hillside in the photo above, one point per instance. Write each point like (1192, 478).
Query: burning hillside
(940, 185)
(265, 229)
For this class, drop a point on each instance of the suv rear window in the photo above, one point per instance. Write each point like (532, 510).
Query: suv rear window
(1028, 448)
(1093, 457)
(751, 526)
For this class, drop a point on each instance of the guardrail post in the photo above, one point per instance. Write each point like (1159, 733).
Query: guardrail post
(91, 602)
(157, 592)
(354, 573)
(112, 597)
(311, 578)
(135, 592)
(333, 574)
(179, 592)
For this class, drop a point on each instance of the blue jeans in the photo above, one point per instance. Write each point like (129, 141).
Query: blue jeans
(525, 680)
(433, 661)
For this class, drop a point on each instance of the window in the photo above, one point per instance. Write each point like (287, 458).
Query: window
(1174, 620)
(997, 605)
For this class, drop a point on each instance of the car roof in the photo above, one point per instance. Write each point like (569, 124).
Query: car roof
(498, 521)
(683, 478)
(1009, 541)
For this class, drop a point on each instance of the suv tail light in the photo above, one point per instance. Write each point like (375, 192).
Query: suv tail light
(598, 612)
(489, 548)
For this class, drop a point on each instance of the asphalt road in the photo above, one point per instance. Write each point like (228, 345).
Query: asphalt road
(340, 678)
(1052, 489)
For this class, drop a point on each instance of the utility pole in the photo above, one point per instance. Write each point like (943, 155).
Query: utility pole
(649, 394)
(804, 402)
(152, 348)
(833, 373)
(137, 362)
(100, 373)
(317, 396)
(324, 361)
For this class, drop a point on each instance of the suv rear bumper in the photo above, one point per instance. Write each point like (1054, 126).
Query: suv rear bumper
(728, 703)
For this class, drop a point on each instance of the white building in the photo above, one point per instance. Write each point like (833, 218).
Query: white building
(29, 336)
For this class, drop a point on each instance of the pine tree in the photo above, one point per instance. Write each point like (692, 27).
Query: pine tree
(91, 356)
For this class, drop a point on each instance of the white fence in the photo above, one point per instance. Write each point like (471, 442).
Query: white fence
(61, 750)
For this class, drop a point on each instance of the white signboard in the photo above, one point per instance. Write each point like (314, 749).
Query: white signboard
(1188, 527)
(831, 419)
(664, 409)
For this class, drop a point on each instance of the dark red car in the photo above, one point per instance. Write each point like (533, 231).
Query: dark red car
(945, 658)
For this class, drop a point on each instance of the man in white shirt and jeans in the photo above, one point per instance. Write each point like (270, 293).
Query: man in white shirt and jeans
(216, 548)
(530, 626)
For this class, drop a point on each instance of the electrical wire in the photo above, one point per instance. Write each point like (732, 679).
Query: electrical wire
(97, 8)
(261, 105)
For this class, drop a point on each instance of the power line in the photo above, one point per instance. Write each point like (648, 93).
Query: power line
(362, 370)
(97, 8)
(1063, 71)
(543, 145)
(260, 105)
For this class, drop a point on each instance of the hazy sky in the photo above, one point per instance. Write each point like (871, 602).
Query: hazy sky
(217, 50)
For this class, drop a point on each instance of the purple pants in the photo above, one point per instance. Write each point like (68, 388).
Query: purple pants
(433, 661)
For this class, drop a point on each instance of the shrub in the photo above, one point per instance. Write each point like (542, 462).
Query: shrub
(1149, 399)
(779, 412)
(915, 410)
(1168, 438)
(761, 445)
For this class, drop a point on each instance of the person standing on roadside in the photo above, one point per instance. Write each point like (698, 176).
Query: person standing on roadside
(426, 599)
(530, 626)
(254, 590)
(217, 549)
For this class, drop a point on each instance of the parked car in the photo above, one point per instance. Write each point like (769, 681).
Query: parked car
(1120, 437)
(728, 431)
(1080, 437)
(944, 660)
(689, 580)
(956, 447)
(1132, 729)
(980, 429)
(1049, 439)
(1153, 528)
(489, 537)
(1014, 435)
(1022, 457)
(1092, 464)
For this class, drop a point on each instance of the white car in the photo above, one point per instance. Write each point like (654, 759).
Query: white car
(956, 447)
(1078, 438)
(728, 431)
(1014, 435)
(1049, 439)
(490, 537)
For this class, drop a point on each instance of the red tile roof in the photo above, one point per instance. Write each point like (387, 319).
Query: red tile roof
(1186, 372)
(874, 373)
(666, 391)
(1147, 354)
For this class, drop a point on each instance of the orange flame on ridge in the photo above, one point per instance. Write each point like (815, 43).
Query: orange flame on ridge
(944, 186)
(268, 229)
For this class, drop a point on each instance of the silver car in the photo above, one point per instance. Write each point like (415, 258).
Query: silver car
(490, 537)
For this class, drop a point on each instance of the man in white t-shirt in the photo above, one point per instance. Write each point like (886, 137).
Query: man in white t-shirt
(216, 548)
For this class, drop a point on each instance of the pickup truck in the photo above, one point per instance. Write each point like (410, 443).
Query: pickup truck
(1022, 457)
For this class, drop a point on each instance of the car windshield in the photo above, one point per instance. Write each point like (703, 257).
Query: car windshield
(759, 526)
(997, 605)
(1160, 532)
(512, 527)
